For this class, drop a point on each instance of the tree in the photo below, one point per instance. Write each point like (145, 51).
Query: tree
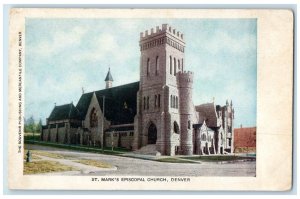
(39, 126)
(30, 125)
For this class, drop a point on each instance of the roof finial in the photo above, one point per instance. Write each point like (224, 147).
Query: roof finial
(213, 99)
(54, 103)
(82, 90)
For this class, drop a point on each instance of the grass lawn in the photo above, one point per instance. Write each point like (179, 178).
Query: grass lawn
(174, 160)
(33, 156)
(217, 158)
(50, 155)
(95, 163)
(117, 151)
(29, 136)
(44, 166)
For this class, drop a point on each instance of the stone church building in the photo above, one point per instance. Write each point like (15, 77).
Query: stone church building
(158, 110)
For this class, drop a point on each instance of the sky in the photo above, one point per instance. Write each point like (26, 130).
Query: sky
(62, 56)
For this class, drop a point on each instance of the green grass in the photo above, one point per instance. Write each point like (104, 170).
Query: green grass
(117, 151)
(95, 163)
(47, 154)
(29, 136)
(215, 158)
(174, 160)
(44, 166)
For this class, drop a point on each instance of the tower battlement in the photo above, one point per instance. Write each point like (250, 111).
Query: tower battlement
(185, 79)
(165, 28)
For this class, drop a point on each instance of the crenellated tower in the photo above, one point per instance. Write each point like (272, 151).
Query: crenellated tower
(158, 119)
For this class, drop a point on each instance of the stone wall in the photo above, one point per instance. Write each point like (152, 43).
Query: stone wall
(62, 135)
(121, 139)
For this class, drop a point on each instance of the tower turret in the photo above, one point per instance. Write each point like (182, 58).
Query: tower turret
(185, 86)
(108, 80)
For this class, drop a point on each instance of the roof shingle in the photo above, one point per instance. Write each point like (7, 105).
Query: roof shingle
(66, 111)
(120, 103)
(207, 112)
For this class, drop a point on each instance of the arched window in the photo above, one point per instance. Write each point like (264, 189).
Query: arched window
(182, 64)
(171, 101)
(189, 124)
(176, 127)
(176, 102)
(156, 66)
(178, 65)
(174, 66)
(148, 67)
(93, 118)
(170, 65)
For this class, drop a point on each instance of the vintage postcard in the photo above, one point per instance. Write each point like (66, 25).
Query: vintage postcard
(150, 99)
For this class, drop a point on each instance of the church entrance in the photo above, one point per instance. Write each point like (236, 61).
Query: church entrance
(152, 134)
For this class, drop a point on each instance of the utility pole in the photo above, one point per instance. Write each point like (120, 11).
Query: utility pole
(102, 137)
(112, 140)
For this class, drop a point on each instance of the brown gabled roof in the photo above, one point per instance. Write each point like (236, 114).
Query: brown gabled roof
(207, 113)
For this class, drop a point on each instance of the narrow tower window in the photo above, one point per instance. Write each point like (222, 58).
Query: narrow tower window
(171, 101)
(182, 64)
(177, 102)
(189, 124)
(147, 102)
(148, 67)
(170, 65)
(158, 100)
(174, 66)
(155, 102)
(176, 127)
(144, 103)
(157, 66)
(178, 65)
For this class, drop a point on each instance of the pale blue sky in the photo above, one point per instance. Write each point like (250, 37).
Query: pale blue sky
(64, 55)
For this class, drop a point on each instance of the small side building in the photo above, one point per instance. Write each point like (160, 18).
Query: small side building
(63, 125)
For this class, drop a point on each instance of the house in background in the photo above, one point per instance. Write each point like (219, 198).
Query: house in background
(245, 139)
